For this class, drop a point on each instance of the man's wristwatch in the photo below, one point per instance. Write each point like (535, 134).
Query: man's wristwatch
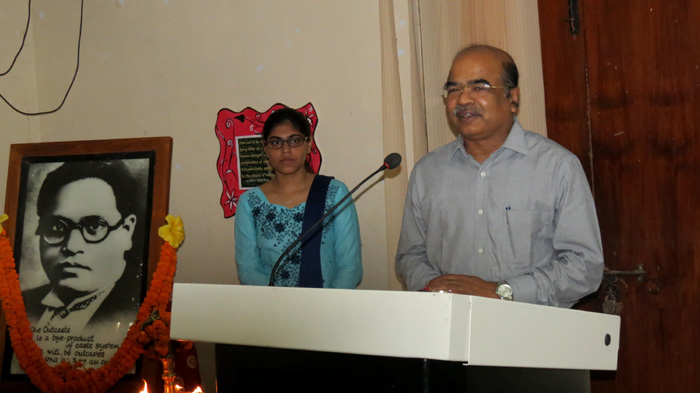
(504, 291)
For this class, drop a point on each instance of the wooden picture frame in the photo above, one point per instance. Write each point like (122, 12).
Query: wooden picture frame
(148, 160)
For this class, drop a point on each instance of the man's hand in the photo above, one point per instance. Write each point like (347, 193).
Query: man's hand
(463, 284)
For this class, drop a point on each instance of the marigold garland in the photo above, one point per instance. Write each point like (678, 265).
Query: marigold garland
(149, 335)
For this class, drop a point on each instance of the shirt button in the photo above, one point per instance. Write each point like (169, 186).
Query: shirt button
(483, 174)
(481, 251)
(480, 211)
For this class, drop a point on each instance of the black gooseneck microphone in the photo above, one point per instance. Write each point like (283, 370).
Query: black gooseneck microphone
(390, 162)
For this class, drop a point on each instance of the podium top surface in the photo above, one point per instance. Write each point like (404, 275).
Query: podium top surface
(442, 326)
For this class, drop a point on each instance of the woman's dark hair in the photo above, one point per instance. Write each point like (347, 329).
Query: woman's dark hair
(290, 116)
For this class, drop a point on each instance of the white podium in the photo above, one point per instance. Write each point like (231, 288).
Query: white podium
(473, 330)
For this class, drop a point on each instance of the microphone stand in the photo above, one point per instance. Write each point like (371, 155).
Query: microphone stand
(320, 221)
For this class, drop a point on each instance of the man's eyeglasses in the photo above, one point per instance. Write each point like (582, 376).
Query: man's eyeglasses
(55, 230)
(292, 141)
(473, 89)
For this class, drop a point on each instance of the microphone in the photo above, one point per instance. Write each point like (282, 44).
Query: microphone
(390, 162)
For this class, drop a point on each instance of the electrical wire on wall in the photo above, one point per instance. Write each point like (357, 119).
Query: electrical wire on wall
(24, 38)
(77, 65)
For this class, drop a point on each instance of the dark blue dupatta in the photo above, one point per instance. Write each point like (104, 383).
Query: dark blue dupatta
(310, 270)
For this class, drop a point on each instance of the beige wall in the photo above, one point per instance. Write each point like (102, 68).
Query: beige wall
(17, 85)
(167, 67)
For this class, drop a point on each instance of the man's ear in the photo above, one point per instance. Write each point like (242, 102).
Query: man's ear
(130, 223)
(514, 99)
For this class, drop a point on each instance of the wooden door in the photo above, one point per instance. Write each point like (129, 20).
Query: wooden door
(624, 95)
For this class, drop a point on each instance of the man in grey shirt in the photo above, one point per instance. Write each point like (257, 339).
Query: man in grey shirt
(500, 212)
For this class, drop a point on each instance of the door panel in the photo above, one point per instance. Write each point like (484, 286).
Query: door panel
(641, 86)
(564, 68)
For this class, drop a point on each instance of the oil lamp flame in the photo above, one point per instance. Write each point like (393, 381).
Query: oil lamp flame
(180, 389)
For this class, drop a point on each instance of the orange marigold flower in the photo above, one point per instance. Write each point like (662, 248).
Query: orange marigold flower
(66, 377)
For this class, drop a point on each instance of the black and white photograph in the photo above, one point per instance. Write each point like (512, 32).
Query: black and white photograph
(83, 234)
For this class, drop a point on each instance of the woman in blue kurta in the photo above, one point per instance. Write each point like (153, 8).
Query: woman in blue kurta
(269, 218)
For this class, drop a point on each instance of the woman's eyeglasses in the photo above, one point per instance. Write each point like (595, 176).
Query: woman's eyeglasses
(292, 141)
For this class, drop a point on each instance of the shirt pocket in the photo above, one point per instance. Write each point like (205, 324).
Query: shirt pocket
(518, 229)
(528, 229)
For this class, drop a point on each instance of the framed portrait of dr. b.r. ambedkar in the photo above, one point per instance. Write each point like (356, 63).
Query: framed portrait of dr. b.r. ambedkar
(83, 225)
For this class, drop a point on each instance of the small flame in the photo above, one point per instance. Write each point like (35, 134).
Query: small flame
(182, 390)
(145, 387)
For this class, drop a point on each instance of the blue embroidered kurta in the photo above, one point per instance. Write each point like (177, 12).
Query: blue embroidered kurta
(264, 230)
